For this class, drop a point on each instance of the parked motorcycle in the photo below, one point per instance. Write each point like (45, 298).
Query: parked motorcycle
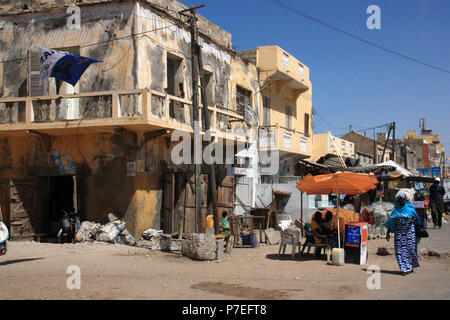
(70, 225)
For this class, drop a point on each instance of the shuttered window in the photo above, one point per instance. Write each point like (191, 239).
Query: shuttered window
(266, 111)
(243, 97)
(288, 117)
(34, 71)
(307, 124)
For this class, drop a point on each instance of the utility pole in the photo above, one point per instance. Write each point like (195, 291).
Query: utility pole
(195, 114)
(393, 141)
(212, 169)
(385, 142)
(374, 147)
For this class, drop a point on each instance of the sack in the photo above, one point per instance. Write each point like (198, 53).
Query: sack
(420, 231)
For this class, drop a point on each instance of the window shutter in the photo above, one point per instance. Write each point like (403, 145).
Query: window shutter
(266, 111)
(34, 71)
(306, 124)
(288, 117)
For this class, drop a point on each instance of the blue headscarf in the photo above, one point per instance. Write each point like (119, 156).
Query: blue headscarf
(407, 211)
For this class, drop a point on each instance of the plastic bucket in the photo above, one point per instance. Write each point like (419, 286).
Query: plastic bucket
(249, 240)
(337, 256)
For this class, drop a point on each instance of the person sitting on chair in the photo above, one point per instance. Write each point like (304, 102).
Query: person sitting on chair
(331, 234)
(317, 228)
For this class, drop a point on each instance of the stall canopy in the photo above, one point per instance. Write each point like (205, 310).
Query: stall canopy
(338, 183)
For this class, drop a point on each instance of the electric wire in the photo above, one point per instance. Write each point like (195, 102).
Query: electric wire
(298, 12)
(323, 119)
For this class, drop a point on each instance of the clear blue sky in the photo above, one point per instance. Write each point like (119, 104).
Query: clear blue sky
(354, 83)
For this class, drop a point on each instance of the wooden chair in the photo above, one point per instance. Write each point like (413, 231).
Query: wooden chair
(287, 238)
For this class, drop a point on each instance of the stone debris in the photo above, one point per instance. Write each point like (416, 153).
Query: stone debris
(200, 246)
(385, 251)
(111, 232)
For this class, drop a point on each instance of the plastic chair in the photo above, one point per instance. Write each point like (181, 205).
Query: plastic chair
(310, 242)
(288, 238)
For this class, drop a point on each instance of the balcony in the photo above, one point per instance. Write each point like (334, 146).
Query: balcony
(281, 68)
(285, 140)
(135, 110)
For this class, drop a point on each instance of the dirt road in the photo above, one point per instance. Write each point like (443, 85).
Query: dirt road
(38, 271)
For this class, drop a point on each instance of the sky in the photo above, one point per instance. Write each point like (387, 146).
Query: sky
(354, 83)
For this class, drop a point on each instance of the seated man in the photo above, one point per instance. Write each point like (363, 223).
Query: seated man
(331, 234)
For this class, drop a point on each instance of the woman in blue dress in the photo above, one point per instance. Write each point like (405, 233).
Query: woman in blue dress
(401, 223)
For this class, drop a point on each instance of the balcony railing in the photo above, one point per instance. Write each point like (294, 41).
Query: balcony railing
(109, 108)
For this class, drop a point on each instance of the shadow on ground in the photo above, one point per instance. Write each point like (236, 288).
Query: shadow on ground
(240, 291)
(297, 257)
(396, 273)
(5, 263)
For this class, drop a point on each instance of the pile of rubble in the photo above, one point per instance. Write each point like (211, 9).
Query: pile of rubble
(111, 232)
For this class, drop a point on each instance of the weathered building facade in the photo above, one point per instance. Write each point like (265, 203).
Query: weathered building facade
(286, 112)
(105, 145)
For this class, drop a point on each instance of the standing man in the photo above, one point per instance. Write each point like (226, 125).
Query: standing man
(437, 192)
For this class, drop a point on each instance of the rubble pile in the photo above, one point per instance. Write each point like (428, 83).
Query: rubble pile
(111, 232)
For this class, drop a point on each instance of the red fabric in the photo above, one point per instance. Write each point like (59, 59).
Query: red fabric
(366, 216)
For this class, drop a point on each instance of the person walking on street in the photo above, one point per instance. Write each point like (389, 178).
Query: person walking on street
(437, 193)
(401, 223)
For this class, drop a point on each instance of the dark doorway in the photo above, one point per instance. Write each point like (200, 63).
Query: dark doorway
(61, 197)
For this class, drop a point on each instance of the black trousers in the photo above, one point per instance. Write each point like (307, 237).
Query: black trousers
(436, 213)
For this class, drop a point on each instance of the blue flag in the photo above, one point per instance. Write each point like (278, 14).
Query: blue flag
(63, 65)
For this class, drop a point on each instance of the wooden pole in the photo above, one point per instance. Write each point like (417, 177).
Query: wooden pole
(212, 170)
(195, 113)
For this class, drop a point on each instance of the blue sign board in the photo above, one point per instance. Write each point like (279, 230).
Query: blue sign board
(353, 234)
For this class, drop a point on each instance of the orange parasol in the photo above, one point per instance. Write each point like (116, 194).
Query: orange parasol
(338, 183)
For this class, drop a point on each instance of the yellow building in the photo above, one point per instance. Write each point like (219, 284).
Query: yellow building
(286, 111)
(327, 144)
(105, 145)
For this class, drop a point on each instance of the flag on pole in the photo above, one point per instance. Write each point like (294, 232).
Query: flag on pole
(62, 65)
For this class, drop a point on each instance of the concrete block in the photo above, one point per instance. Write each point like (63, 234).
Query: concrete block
(200, 246)
(220, 244)
(272, 236)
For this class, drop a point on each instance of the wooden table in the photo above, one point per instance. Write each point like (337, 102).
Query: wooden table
(237, 226)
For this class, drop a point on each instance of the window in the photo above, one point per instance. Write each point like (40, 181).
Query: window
(287, 140)
(266, 111)
(303, 144)
(243, 97)
(307, 124)
(288, 117)
(286, 60)
(300, 70)
(175, 81)
(53, 86)
(343, 146)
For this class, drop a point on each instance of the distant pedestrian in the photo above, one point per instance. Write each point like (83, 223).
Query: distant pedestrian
(437, 193)
(401, 223)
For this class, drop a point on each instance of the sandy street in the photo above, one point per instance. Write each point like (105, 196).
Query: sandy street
(38, 271)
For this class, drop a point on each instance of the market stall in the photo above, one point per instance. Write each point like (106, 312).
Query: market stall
(339, 183)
